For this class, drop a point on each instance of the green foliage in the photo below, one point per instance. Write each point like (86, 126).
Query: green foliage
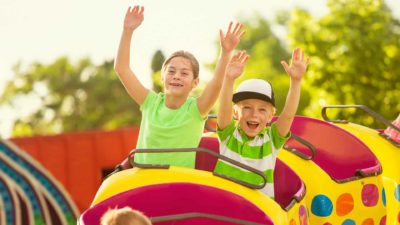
(157, 81)
(72, 97)
(157, 61)
(355, 53)
(156, 66)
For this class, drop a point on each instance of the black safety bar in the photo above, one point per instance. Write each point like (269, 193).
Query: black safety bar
(183, 216)
(305, 143)
(287, 147)
(364, 108)
(219, 156)
(367, 110)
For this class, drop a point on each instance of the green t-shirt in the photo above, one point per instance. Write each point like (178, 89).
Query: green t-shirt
(162, 127)
(259, 153)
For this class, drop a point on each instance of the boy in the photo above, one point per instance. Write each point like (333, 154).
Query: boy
(250, 141)
(124, 216)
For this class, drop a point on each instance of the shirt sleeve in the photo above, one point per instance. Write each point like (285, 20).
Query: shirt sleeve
(194, 108)
(277, 140)
(151, 96)
(223, 134)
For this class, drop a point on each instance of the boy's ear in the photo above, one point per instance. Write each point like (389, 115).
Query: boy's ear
(235, 111)
(271, 114)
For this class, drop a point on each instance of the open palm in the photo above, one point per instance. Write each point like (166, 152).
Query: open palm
(231, 39)
(298, 66)
(236, 65)
(134, 17)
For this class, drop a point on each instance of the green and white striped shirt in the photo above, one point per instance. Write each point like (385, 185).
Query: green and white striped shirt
(259, 153)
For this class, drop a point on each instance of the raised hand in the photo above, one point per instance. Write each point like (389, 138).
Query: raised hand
(134, 17)
(231, 39)
(298, 66)
(236, 65)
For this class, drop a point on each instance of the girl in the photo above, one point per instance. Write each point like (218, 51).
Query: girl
(172, 119)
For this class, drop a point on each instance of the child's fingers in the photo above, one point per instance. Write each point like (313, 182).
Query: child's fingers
(242, 54)
(135, 9)
(240, 28)
(237, 28)
(129, 10)
(221, 35)
(243, 57)
(241, 34)
(236, 56)
(239, 57)
(285, 65)
(246, 58)
(141, 10)
(230, 27)
(295, 54)
(307, 61)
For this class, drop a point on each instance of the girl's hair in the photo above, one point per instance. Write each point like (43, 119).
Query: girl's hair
(124, 216)
(187, 55)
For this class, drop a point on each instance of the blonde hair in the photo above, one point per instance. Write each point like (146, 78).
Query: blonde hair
(124, 216)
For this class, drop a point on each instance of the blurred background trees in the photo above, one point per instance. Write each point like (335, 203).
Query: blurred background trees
(355, 59)
(156, 65)
(70, 97)
(355, 51)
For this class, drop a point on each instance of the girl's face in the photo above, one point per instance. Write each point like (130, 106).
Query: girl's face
(253, 115)
(178, 77)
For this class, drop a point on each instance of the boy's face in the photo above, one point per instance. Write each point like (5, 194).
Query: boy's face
(253, 115)
(178, 77)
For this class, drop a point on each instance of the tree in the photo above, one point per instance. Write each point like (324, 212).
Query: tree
(355, 53)
(72, 97)
(156, 66)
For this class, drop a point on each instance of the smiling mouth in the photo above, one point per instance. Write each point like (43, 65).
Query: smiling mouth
(252, 125)
(176, 85)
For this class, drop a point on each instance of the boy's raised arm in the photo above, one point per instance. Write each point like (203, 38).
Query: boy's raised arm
(296, 71)
(229, 42)
(133, 18)
(233, 71)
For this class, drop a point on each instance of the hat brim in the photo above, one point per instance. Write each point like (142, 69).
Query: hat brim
(237, 97)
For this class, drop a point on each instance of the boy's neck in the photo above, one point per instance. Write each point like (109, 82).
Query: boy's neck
(247, 137)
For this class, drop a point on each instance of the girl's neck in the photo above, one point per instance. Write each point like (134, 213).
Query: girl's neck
(175, 102)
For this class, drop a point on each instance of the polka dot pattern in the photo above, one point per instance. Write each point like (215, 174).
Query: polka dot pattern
(349, 222)
(383, 196)
(383, 221)
(321, 205)
(397, 193)
(303, 215)
(344, 204)
(398, 217)
(370, 195)
(368, 221)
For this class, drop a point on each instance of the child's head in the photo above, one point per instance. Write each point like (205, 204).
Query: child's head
(254, 105)
(180, 73)
(124, 216)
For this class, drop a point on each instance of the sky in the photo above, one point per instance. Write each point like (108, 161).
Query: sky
(43, 30)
